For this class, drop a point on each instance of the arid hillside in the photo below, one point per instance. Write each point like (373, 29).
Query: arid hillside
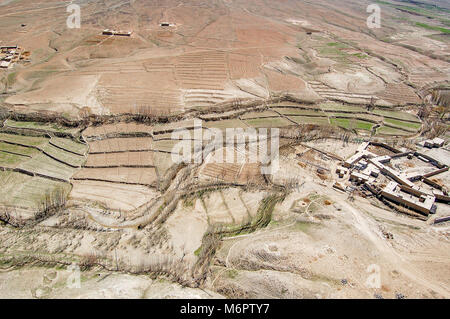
(214, 52)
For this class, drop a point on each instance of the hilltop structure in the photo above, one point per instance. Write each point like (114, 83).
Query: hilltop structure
(365, 168)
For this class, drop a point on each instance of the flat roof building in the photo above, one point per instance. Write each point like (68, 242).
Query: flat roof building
(412, 199)
(5, 64)
(436, 142)
(118, 33)
(359, 177)
(357, 157)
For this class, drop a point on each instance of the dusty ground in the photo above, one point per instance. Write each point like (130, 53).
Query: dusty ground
(230, 50)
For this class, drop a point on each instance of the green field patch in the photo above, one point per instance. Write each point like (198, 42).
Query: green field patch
(17, 149)
(302, 112)
(50, 127)
(23, 140)
(385, 130)
(333, 49)
(330, 52)
(414, 127)
(397, 115)
(439, 37)
(70, 158)
(360, 116)
(425, 9)
(433, 28)
(352, 124)
(42, 164)
(255, 115)
(10, 160)
(337, 45)
(360, 55)
(224, 124)
(332, 107)
(11, 78)
(26, 191)
(10, 181)
(70, 145)
(269, 122)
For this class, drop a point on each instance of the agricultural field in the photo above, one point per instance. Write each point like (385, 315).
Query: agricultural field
(46, 127)
(61, 155)
(334, 114)
(45, 165)
(414, 127)
(10, 160)
(39, 155)
(35, 167)
(110, 195)
(69, 145)
(23, 140)
(112, 129)
(132, 159)
(301, 112)
(120, 145)
(121, 175)
(318, 120)
(17, 149)
(27, 192)
(387, 130)
(350, 124)
(268, 122)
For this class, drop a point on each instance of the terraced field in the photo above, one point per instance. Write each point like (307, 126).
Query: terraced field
(408, 126)
(224, 207)
(110, 195)
(32, 166)
(45, 127)
(17, 149)
(268, 122)
(22, 140)
(318, 120)
(117, 128)
(122, 175)
(69, 145)
(206, 70)
(401, 123)
(386, 130)
(122, 159)
(27, 192)
(111, 145)
(399, 94)
(33, 152)
(340, 95)
(139, 155)
(349, 123)
(62, 155)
